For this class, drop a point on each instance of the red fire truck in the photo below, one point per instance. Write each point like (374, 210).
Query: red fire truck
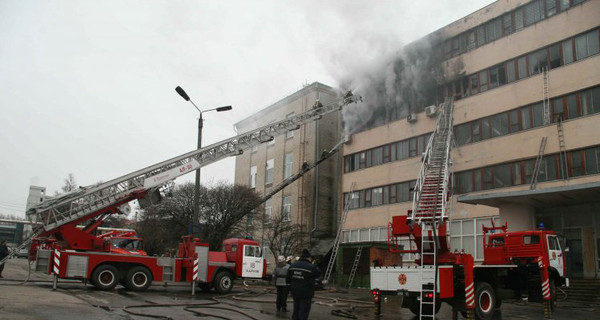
(105, 267)
(515, 265)
(60, 247)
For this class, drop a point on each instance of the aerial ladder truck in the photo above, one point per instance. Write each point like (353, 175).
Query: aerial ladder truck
(60, 246)
(515, 264)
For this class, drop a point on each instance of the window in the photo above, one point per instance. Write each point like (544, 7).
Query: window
(502, 176)
(510, 71)
(269, 172)
(287, 167)
(250, 219)
(538, 114)
(513, 118)
(592, 161)
(586, 45)
(553, 243)
(576, 164)
(522, 67)
(287, 208)
(500, 125)
(471, 40)
(572, 109)
(464, 182)
(253, 177)
(533, 12)
(377, 156)
(537, 61)
(508, 25)
(494, 29)
(494, 77)
(269, 209)
(290, 133)
(480, 35)
(567, 48)
(519, 19)
(550, 8)
(554, 60)
(377, 195)
(483, 81)
(531, 240)
(526, 118)
(474, 80)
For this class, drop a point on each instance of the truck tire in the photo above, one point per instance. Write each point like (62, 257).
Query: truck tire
(105, 277)
(138, 279)
(223, 282)
(485, 301)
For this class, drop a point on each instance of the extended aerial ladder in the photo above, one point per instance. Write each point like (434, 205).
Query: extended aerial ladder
(430, 204)
(95, 203)
(303, 170)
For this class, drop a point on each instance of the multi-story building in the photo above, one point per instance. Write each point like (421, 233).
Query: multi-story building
(310, 202)
(510, 115)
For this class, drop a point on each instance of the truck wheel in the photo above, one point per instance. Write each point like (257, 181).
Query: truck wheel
(105, 277)
(223, 282)
(138, 279)
(485, 301)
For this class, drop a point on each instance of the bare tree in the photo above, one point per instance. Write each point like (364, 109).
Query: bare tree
(222, 207)
(69, 184)
(285, 238)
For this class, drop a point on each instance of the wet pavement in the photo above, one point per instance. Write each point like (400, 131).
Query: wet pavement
(75, 300)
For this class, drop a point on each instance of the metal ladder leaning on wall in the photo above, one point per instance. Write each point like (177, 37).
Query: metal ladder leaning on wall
(354, 266)
(338, 237)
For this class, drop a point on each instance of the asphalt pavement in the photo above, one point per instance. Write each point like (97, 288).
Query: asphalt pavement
(35, 299)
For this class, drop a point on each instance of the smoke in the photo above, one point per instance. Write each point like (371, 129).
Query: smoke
(402, 83)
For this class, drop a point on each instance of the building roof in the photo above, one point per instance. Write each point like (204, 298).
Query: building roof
(315, 86)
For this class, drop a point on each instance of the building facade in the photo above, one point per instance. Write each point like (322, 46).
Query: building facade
(310, 203)
(525, 78)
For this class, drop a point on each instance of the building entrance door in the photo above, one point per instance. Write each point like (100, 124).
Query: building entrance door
(575, 254)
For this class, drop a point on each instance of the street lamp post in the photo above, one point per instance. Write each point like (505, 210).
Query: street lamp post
(196, 221)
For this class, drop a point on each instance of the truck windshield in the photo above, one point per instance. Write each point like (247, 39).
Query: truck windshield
(127, 243)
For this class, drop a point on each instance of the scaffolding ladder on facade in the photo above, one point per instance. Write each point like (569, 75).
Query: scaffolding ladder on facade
(338, 237)
(545, 97)
(430, 207)
(355, 266)
(562, 156)
(538, 163)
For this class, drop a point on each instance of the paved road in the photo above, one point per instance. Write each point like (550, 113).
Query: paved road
(73, 300)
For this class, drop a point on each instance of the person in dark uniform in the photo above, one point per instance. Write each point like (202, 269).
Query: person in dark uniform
(301, 276)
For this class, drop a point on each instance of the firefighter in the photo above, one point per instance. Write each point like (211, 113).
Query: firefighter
(283, 287)
(301, 276)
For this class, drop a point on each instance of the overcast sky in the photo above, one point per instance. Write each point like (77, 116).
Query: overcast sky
(87, 87)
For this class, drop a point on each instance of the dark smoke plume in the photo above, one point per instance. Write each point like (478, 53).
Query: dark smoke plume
(406, 83)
